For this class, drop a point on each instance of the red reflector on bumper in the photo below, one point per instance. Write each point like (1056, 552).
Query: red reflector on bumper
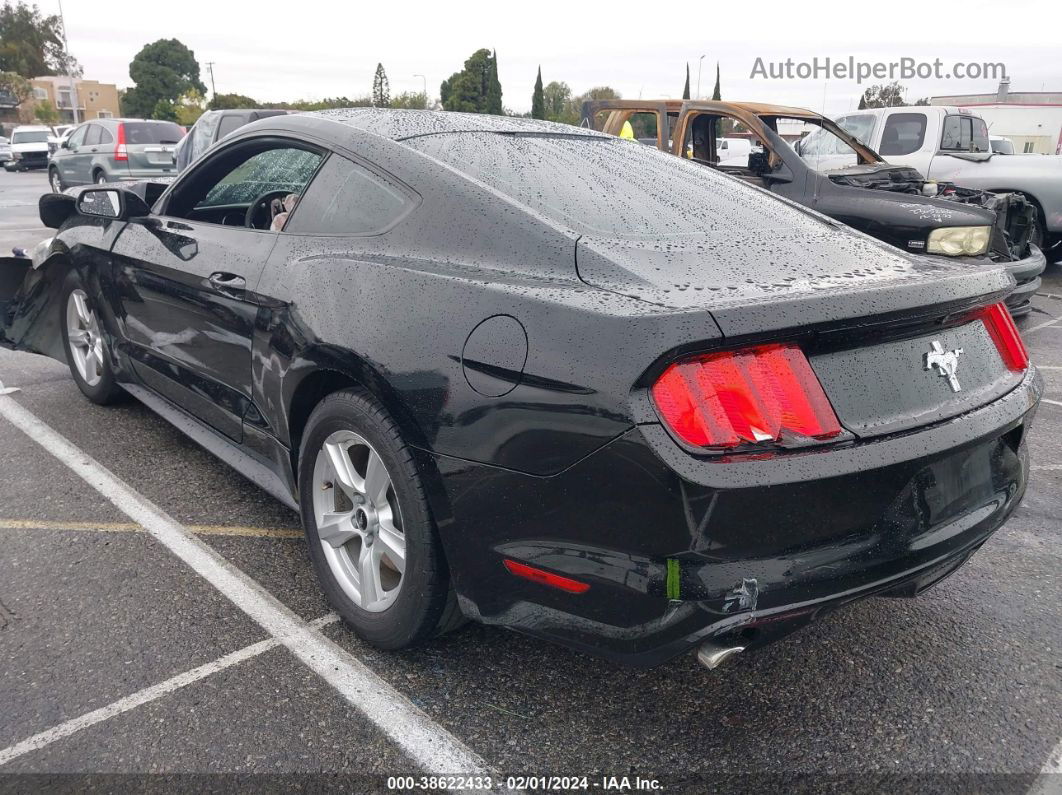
(545, 577)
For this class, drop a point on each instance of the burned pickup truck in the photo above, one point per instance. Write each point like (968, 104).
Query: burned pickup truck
(890, 202)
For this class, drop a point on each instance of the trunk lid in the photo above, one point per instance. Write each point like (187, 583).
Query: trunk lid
(867, 317)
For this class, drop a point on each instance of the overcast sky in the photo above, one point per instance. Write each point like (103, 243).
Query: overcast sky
(313, 49)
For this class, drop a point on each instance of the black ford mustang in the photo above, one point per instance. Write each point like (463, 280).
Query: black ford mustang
(545, 378)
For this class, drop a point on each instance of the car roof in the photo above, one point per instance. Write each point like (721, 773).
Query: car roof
(398, 125)
(32, 128)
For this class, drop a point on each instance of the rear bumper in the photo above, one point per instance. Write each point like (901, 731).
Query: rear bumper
(678, 551)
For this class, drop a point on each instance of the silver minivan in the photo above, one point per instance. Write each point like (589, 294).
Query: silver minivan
(114, 150)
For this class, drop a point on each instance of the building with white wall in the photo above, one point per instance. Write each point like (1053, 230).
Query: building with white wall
(1031, 119)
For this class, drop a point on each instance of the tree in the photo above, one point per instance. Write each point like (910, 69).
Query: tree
(14, 88)
(415, 100)
(716, 93)
(190, 107)
(381, 88)
(31, 44)
(494, 89)
(887, 96)
(230, 101)
(686, 88)
(538, 100)
(473, 89)
(45, 112)
(862, 101)
(164, 110)
(163, 71)
(557, 103)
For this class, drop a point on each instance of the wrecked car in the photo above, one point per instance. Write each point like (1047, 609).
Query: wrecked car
(547, 379)
(893, 203)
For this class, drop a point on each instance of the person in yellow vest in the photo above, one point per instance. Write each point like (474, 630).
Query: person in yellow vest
(627, 131)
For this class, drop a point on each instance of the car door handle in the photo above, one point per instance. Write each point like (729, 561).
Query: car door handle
(227, 282)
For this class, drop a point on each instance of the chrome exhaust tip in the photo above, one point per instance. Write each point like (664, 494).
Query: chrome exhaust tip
(711, 655)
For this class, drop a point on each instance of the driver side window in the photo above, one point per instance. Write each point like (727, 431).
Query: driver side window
(238, 186)
(273, 170)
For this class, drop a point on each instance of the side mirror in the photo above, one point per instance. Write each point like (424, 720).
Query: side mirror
(114, 203)
(64, 144)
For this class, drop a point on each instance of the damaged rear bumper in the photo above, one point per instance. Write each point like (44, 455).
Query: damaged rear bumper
(680, 554)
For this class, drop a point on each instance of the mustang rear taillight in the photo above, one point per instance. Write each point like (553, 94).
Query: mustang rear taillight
(543, 577)
(750, 396)
(119, 147)
(1005, 335)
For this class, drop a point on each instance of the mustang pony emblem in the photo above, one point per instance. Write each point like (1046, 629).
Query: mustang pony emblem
(947, 362)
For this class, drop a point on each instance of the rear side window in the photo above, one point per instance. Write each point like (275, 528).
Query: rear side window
(92, 137)
(151, 132)
(346, 199)
(230, 122)
(964, 134)
(105, 136)
(903, 134)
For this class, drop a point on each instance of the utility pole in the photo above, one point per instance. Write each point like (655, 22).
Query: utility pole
(66, 57)
(422, 77)
(213, 91)
(700, 62)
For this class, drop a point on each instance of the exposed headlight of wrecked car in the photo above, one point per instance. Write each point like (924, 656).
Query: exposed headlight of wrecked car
(959, 241)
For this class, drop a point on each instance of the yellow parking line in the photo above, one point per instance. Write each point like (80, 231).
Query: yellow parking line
(129, 527)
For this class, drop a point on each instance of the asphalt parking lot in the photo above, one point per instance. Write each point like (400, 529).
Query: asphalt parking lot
(125, 648)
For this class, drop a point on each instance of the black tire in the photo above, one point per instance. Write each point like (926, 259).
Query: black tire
(55, 180)
(99, 178)
(426, 603)
(106, 390)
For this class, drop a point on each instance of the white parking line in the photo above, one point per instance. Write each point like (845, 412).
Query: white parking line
(1049, 782)
(1048, 467)
(425, 742)
(1052, 402)
(141, 697)
(1045, 324)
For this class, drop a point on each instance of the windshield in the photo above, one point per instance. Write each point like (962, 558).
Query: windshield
(29, 137)
(824, 151)
(605, 186)
(152, 132)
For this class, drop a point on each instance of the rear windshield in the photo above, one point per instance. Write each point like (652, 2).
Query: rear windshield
(606, 186)
(29, 137)
(152, 132)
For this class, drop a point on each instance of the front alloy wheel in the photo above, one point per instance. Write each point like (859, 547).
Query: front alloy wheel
(56, 181)
(359, 521)
(83, 338)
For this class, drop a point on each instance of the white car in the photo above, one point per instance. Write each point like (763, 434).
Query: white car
(31, 146)
(5, 149)
(951, 144)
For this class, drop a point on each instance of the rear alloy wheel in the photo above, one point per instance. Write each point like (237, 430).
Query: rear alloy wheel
(359, 521)
(56, 181)
(86, 350)
(101, 178)
(368, 527)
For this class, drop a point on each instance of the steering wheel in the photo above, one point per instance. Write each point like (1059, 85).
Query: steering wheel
(260, 204)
